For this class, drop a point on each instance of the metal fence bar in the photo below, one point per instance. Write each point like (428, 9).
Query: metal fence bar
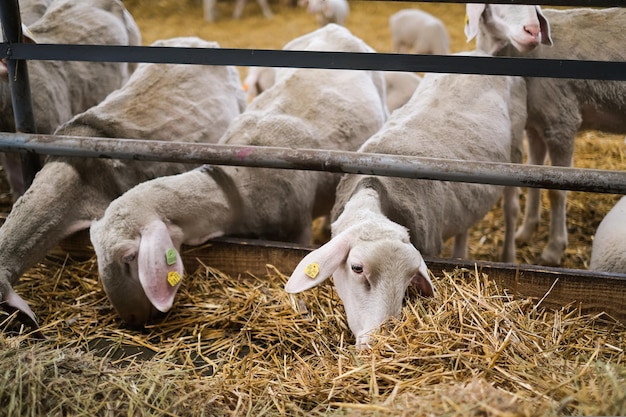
(19, 85)
(566, 178)
(574, 3)
(554, 68)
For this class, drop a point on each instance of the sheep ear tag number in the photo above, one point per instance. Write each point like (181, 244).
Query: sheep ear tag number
(170, 256)
(173, 278)
(312, 270)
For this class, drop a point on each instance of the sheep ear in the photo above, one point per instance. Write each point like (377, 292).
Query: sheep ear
(421, 281)
(15, 301)
(544, 25)
(160, 266)
(473, 11)
(318, 265)
(28, 35)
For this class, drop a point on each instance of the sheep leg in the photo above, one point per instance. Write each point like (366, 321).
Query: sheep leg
(536, 156)
(459, 250)
(239, 5)
(210, 12)
(510, 207)
(13, 169)
(265, 8)
(561, 151)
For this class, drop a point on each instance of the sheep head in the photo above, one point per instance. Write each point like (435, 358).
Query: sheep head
(371, 275)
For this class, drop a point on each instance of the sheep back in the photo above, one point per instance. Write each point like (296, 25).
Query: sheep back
(608, 252)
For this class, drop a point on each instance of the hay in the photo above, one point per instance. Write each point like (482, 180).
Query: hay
(242, 346)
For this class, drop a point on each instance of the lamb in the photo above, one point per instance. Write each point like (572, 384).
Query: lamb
(191, 103)
(61, 89)
(382, 225)
(210, 12)
(557, 108)
(418, 31)
(608, 252)
(327, 11)
(305, 108)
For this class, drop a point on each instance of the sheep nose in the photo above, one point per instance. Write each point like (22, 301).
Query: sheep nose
(533, 30)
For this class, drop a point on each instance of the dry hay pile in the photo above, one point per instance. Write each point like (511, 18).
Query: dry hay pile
(242, 346)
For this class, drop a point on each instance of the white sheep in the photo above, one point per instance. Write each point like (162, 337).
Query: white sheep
(382, 225)
(191, 103)
(33, 10)
(400, 86)
(210, 12)
(30, 12)
(327, 11)
(418, 31)
(305, 108)
(61, 89)
(557, 108)
(258, 79)
(608, 252)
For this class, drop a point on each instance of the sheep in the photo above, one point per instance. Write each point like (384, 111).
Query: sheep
(61, 89)
(210, 12)
(258, 80)
(557, 108)
(33, 10)
(305, 108)
(608, 251)
(30, 12)
(418, 31)
(381, 226)
(400, 86)
(327, 11)
(190, 103)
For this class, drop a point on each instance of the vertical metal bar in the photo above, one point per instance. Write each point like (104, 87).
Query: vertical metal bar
(19, 85)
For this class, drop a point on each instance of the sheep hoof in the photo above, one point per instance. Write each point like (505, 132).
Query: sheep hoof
(550, 257)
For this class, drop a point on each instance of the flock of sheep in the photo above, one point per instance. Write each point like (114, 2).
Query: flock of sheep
(139, 213)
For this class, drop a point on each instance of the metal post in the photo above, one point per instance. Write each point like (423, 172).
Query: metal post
(19, 85)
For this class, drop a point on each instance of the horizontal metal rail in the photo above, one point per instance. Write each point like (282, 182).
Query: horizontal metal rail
(566, 178)
(554, 68)
(574, 3)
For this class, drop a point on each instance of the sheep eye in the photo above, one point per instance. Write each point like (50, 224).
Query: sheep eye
(357, 268)
(128, 258)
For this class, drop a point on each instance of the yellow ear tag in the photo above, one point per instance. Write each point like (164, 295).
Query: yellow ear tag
(170, 256)
(312, 270)
(466, 20)
(173, 278)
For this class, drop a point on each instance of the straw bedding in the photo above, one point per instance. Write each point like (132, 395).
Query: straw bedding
(242, 346)
(239, 345)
